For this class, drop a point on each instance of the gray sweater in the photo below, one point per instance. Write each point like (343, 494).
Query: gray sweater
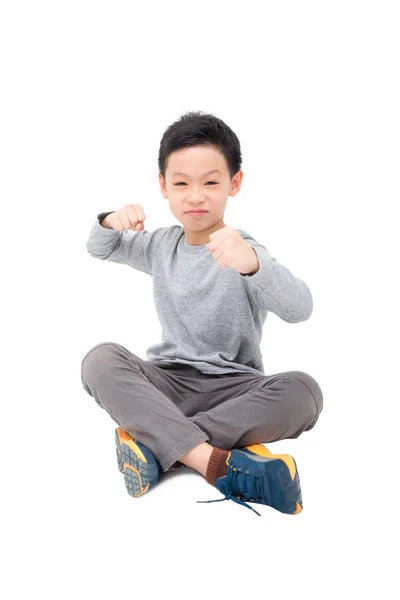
(211, 316)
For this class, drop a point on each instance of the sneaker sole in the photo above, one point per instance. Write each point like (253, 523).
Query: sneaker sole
(289, 461)
(138, 473)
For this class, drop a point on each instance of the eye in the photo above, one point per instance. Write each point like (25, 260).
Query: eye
(179, 183)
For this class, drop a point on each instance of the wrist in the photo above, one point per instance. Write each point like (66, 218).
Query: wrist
(102, 218)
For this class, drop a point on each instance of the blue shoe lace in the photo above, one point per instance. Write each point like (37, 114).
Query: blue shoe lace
(239, 480)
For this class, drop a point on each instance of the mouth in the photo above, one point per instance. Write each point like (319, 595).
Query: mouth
(196, 212)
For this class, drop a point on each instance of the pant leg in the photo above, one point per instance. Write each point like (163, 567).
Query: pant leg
(138, 397)
(251, 409)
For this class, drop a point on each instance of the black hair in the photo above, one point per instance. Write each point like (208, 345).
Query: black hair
(200, 129)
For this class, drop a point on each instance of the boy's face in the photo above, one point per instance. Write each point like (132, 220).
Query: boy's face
(188, 185)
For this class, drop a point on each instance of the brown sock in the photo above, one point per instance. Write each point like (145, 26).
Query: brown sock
(217, 466)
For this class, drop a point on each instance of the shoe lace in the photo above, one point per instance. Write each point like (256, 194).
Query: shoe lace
(245, 484)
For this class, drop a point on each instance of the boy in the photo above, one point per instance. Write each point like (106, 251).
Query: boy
(202, 398)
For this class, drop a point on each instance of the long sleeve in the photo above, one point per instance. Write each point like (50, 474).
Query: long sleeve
(276, 289)
(133, 248)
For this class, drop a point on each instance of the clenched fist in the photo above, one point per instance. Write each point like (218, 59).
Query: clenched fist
(130, 216)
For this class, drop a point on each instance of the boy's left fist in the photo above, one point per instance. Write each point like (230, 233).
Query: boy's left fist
(230, 250)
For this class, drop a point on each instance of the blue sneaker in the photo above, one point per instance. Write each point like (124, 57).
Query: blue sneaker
(256, 475)
(138, 464)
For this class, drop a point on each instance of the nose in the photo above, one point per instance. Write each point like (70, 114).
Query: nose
(195, 194)
(196, 199)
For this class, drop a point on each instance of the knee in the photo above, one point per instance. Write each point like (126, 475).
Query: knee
(97, 361)
(310, 394)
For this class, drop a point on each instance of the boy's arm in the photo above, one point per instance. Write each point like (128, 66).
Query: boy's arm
(274, 288)
(102, 241)
(125, 247)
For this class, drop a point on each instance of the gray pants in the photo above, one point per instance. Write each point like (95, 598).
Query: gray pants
(171, 408)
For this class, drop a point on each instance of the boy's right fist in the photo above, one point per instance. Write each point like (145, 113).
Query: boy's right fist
(130, 216)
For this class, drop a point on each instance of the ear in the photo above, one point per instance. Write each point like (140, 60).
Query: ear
(163, 186)
(236, 183)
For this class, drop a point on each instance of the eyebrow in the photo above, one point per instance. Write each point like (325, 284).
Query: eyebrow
(208, 173)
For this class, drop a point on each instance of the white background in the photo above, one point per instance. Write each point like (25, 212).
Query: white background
(87, 90)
